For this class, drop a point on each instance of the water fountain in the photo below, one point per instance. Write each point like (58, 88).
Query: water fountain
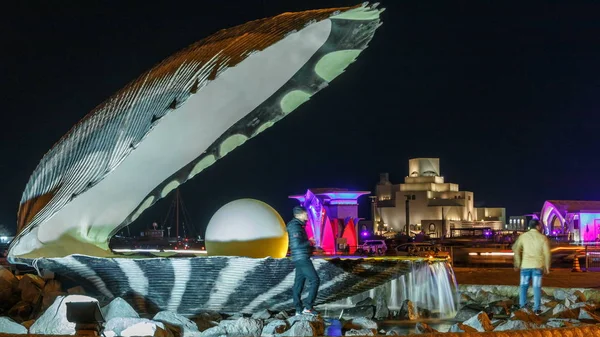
(429, 286)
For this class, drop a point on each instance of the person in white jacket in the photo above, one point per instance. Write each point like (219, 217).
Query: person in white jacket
(532, 257)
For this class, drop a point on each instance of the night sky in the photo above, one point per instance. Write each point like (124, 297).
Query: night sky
(505, 94)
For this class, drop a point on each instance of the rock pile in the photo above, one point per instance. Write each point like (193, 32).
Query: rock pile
(122, 320)
(485, 310)
(25, 297)
(36, 305)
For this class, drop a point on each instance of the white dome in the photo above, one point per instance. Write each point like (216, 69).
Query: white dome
(246, 227)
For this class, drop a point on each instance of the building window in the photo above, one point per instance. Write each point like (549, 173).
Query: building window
(469, 198)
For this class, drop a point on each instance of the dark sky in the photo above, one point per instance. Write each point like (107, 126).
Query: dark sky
(505, 94)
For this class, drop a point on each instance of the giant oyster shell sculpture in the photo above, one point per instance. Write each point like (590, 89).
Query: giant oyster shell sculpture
(164, 128)
(176, 120)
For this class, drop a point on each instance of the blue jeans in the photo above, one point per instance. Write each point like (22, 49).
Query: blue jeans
(305, 271)
(535, 275)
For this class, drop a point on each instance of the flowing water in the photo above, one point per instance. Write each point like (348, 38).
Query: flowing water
(430, 286)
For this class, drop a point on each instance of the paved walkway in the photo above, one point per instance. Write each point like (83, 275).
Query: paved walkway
(562, 278)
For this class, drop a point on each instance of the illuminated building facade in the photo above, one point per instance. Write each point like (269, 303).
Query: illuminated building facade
(332, 217)
(579, 220)
(435, 206)
(519, 222)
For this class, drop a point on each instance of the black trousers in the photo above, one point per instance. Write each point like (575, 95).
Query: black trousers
(305, 271)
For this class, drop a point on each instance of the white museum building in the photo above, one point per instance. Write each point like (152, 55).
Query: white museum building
(435, 206)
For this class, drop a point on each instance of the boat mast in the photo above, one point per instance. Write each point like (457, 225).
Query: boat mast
(177, 213)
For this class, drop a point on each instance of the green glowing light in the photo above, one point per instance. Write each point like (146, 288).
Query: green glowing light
(231, 143)
(263, 127)
(143, 207)
(293, 99)
(361, 13)
(169, 187)
(333, 64)
(201, 165)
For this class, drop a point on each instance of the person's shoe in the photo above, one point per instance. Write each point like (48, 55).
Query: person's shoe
(537, 312)
(310, 311)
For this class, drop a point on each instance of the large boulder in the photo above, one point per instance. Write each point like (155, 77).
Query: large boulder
(215, 331)
(145, 329)
(7, 278)
(424, 328)
(381, 308)
(184, 327)
(21, 311)
(512, 325)
(408, 310)
(28, 324)
(465, 313)
(363, 323)
(526, 315)
(263, 314)
(118, 324)
(245, 326)
(360, 332)
(77, 290)
(206, 320)
(49, 298)
(52, 289)
(359, 311)
(31, 288)
(52, 286)
(588, 315)
(481, 322)
(562, 311)
(274, 327)
(54, 320)
(118, 307)
(8, 285)
(8, 326)
(315, 321)
(301, 328)
(562, 322)
(459, 327)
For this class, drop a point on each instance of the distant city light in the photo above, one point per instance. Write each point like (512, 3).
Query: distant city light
(188, 251)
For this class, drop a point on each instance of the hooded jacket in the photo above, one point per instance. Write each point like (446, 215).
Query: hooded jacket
(299, 244)
(532, 250)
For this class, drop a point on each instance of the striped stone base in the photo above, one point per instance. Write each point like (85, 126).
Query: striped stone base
(223, 284)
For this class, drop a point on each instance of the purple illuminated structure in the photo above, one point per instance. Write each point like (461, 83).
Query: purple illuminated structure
(339, 203)
(316, 214)
(331, 213)
(578, 220)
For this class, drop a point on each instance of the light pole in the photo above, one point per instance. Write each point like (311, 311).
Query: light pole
(373, 213)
